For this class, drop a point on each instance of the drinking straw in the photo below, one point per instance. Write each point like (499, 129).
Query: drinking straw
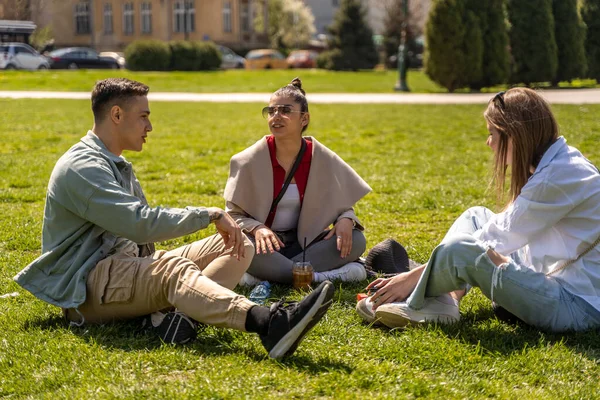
(304, 250)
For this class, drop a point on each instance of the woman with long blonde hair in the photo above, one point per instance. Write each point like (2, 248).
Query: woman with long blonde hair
(538, 259)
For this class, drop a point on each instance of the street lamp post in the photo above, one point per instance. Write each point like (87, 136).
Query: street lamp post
(401, 85)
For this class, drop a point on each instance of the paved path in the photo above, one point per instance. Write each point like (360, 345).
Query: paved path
(565, 96)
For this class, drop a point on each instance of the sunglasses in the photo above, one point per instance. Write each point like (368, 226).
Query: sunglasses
(285, 111)
(498, 99)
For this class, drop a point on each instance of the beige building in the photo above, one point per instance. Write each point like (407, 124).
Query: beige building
(113, 24)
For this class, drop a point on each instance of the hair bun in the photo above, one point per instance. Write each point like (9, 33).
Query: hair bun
(297, 83)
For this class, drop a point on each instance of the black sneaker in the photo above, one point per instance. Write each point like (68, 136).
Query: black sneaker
(290, 321)
(172, 327)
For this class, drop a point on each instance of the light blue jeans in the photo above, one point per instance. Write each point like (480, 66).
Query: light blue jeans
(535, 298)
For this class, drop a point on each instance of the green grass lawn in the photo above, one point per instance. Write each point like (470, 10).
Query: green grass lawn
(233, 81)
(426, 165)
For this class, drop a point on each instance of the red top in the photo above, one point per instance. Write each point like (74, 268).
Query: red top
(301, 174)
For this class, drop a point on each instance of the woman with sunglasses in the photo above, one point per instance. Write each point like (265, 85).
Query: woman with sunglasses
(538, 259)
(285, 220)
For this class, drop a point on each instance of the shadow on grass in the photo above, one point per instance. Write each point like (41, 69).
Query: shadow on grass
(496, 336)
(211, 341)
(483, 330)
(314, 366)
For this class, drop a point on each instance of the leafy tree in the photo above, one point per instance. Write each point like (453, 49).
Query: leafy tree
(290, 23)
(394, 21)
(494, 33)
(42, 37)
(351, 42)
(590, 12)
(453, 53)
(569, 32)
(532, 41)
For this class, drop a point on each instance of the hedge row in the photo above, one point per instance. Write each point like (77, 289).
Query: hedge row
(156, 55)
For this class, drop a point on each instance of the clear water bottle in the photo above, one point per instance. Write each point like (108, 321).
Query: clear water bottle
(260, 293)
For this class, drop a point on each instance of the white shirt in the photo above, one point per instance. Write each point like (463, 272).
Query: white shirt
(554, 219)
(288, 210)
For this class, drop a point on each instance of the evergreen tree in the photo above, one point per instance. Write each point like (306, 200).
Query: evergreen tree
(590, 12)
(532, 41)
(473, 50)
(351, 44)
(569, 32)
(494, 33)
(453, 50)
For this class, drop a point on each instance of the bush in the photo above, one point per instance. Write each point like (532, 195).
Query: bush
(210, 56)
(154, 55)
(194, 56)
(148, 55)
(532, 41)
(184, 56)
(590, 12)
(570, 41)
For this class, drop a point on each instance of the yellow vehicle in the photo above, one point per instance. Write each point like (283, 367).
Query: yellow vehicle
(265, 59)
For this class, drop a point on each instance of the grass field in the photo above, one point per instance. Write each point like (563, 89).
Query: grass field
(426, 165)
(233, 81)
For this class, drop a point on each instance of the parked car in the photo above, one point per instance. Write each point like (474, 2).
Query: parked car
(265, 59)
(80, 57)
(21, 56)
(119, 57)
(229, 59)
(302, 59)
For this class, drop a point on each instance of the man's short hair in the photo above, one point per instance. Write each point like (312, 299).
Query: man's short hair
(114, 91)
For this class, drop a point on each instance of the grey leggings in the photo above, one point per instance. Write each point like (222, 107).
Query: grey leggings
(323, 255)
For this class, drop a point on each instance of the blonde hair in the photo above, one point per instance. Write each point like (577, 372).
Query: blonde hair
(522, 116)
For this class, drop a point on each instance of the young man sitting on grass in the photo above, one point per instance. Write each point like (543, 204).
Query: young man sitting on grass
(98, 259)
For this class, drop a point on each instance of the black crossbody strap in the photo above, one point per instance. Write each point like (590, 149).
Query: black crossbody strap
(290, 176)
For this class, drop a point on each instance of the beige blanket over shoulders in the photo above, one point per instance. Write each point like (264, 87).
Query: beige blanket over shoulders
(332, 189)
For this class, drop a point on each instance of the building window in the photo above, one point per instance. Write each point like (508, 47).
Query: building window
(227, 16)
(82, 18)
(146, 17)
(184, 14)
(128, 15)
(245, 17)
(108, 18)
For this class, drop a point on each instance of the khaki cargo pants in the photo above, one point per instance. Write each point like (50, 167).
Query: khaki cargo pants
(197, 279)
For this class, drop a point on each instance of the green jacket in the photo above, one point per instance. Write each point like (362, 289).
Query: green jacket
(94, 198)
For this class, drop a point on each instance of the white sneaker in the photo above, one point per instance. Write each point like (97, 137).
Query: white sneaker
(249, 280)
(442, 309)
(351, 272)
(364, 308)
